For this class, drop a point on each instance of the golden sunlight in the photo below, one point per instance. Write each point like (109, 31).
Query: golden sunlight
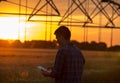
(11, 28)
(8, 28)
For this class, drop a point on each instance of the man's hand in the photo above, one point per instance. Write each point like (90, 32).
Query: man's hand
(46, 73)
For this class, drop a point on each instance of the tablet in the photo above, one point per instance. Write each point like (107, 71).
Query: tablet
(42, 68)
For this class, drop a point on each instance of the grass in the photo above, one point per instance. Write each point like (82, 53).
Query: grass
(19, 66)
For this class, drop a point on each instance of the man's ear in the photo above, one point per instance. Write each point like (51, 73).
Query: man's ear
(61, 36)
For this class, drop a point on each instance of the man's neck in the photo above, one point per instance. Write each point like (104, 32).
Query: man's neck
(65, 42)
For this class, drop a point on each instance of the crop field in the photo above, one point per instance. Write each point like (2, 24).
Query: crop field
(20, 66)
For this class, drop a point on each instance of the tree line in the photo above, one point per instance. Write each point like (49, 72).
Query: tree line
(101, 46)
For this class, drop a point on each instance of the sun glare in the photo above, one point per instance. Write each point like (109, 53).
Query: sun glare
(11, 28)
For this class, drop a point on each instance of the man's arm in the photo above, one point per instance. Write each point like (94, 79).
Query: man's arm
(58, 66)
(59, 63)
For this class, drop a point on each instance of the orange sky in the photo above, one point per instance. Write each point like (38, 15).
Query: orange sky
(14, 27)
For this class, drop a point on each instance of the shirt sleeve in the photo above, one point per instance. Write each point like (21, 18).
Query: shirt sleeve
(58, 66)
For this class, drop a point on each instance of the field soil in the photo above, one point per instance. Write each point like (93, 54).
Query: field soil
(20, 65)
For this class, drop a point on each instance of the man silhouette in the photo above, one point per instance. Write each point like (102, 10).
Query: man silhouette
(69, 62)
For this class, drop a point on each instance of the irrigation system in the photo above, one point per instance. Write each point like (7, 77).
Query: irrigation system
(90, 10)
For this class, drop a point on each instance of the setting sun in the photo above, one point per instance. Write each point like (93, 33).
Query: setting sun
(8, 28)
(11, 28)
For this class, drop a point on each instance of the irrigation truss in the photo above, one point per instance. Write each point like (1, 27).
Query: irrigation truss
(75, 13)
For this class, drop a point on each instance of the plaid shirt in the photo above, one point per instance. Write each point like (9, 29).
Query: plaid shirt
(68, 67)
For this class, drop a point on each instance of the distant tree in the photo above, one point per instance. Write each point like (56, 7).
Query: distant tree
(84, 46)
(17, 44)
(94, 45)
(102, 46)
(40, 44)
(53, 44)
(91, 46)
(76, 43)
(81, 45)
(114, 48)
(27, 44)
